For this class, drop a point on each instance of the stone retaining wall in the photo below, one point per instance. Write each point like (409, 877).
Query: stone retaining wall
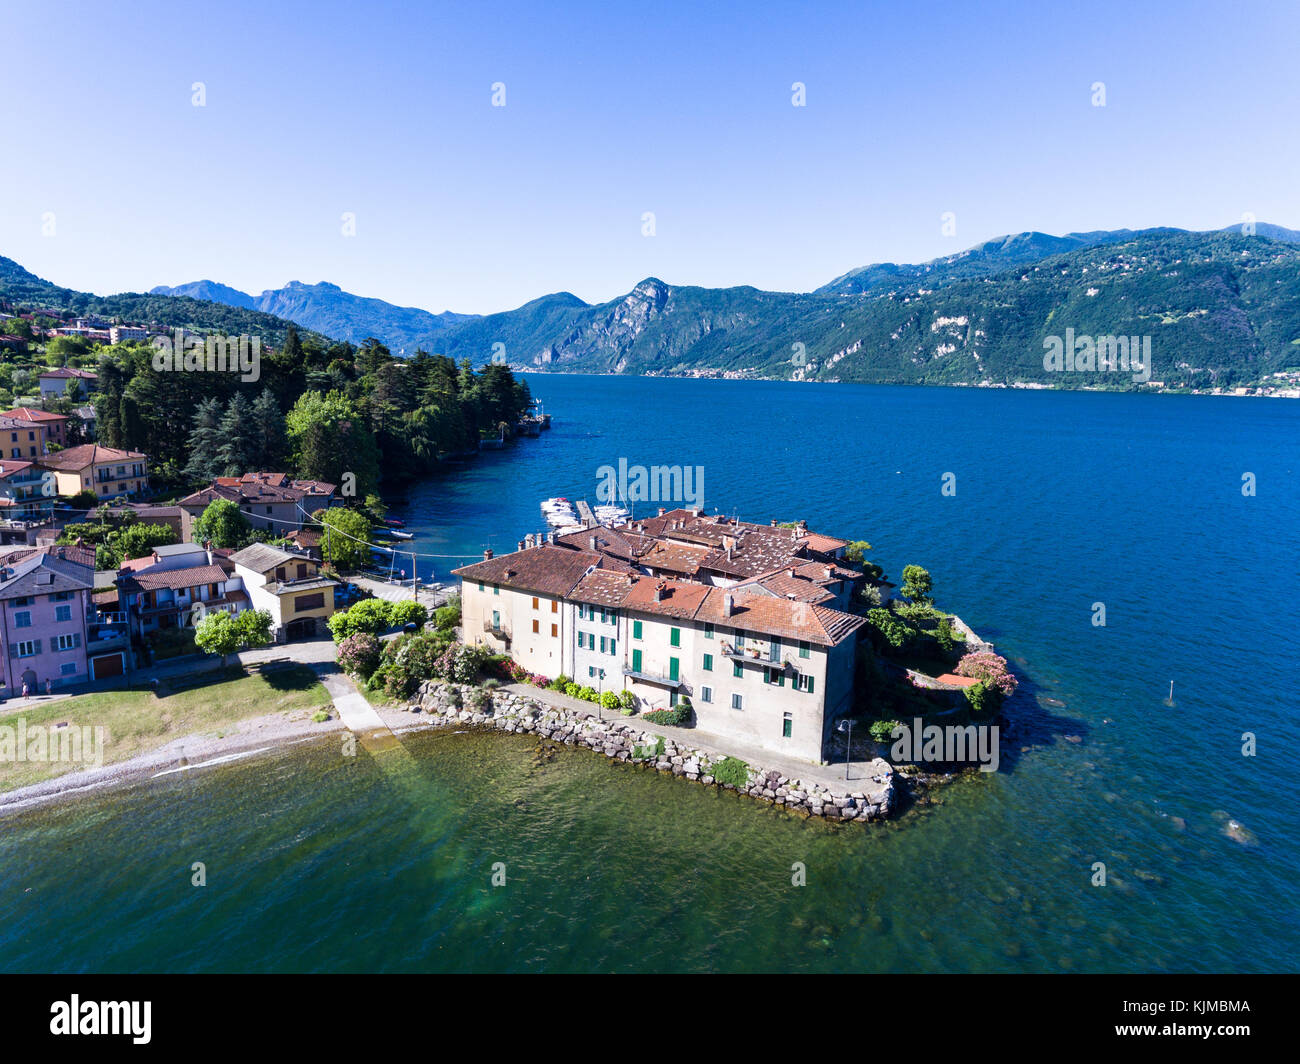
(626, 739)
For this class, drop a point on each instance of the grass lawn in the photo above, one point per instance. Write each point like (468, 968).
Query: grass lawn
(134, 721)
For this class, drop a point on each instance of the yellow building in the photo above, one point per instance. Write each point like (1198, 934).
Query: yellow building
(289, 587)
(107, 471)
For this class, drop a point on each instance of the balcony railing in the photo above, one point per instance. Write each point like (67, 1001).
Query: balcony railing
(497, 630)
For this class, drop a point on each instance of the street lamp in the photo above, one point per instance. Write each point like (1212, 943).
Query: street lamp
(846, 725)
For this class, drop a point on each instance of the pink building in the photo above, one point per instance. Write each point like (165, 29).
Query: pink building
(45, 614)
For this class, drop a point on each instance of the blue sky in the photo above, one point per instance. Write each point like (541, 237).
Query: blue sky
(680, 109)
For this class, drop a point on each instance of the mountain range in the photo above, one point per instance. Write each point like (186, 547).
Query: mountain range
(1220, 308)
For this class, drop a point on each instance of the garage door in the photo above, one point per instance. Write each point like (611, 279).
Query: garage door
(106, 665)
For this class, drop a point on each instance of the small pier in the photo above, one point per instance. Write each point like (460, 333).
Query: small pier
(585, 516)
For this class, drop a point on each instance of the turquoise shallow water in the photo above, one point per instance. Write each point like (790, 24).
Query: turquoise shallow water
(320, 862)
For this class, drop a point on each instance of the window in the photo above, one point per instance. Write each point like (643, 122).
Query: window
(303, 603)
(737, 702)
(787, 725)
(555, 605)
(65, 642)
(535, 603)
(555, 630)
(602, 644)
(68, 668)
(708, 631)
(636, 629)
(481, 587)
(708, 662)
(613, 647)
(496, 589)
(26, 600)
(803, 682)
(636, 661)
(591, 671)
(63, 613)
(582, 611)
(804, 649)
(27, 648)
(22, 620)
(774, 676)
(536, 628)
(61, 596)
(675, 637)
(613, 616)
(737, 670)
(706, 694)
(603, 615)
(674, 668)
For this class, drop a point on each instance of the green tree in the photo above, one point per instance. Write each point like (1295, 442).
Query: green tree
(222, 524)
(917, 584)
(137, 541)
(344, 537)
(239, 443)
(268, 430)
(205, 442)
(222, 633)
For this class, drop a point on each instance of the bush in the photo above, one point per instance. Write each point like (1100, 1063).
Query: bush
(369, 615)
(982, 698)
(571, 689)
(989, 667)
(447, 617)
(359, 654)
(320, 716)
(405, 612)
(917, 584)
(888, 631)
(609, 700)
(676, 715)
(560, 683)
(480, 701)
(883, 730)
(731, 770)
(587, 694)
(628, 701)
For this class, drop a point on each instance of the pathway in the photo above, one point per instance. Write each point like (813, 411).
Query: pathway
(830, 776)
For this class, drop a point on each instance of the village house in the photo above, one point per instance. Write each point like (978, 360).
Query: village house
(54, 382)
(288, 586)
(107, 471)
(21, 439)
(176, 586)
(21, 498)
(45, 616)
(272, 502)
(55, 425)
(120, 334)
(743, 621)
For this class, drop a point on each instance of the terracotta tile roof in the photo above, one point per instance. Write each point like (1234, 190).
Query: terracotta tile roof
(65, 373)
(953, 680)
(87, 454)
(676, 598)
(26, 413)
(782, 585)
(547, 569)
(77, 555)
(175, 579)
(779, 617)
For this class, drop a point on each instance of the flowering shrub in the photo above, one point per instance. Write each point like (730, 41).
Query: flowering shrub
(991, 669)
(359, 654)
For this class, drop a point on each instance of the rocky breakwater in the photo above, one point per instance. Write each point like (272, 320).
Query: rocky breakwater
(627, 739)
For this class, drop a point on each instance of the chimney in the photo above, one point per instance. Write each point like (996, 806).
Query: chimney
(487, 554)
(727, 604)
(61, 554)
(659, 592)
(662, 511)
(829, 572)
(791, 572)
(697, 511)
(521, 545)
(591, 542)
(774, 522)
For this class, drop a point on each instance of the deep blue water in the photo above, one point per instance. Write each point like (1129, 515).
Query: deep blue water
(1063, 500)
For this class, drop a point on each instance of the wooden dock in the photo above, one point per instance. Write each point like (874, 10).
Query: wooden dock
(585, 517)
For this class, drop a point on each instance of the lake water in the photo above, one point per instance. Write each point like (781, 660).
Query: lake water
(1063, 500)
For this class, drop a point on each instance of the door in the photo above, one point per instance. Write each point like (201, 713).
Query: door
(106, 665)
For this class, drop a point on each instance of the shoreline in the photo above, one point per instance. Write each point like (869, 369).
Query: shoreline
(194, 750)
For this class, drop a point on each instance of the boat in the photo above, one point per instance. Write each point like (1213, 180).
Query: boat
(400, 535)
(393, 522)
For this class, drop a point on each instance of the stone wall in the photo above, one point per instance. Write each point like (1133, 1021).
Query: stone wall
(627, 739)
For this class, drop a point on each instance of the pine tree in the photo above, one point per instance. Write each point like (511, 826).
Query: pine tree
(205, 442)
(268, 428)
(239, 451)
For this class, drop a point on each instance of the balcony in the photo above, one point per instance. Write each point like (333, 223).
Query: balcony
(658, 678)
(497, 632)
(757, 653)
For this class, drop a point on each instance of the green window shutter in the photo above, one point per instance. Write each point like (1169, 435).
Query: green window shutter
(708, 631)
(780, 679)
(674, 667)
(708, 662)
(767, 674)
(602, 644)
(636, 661)
(736, 669)
(636, 630)
(675, 637)
(810, 685)
(613, 647)
(804, 649)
